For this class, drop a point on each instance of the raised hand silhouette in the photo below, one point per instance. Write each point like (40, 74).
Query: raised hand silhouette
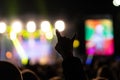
(64, 45)
(72, 66)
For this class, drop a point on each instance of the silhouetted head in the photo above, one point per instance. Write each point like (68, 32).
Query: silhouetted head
(29, 75)
(106, 72)
(8, 71)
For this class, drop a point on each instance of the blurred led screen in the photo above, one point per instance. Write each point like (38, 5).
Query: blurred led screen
(99, 37)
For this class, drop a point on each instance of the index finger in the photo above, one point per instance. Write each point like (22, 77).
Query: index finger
(58, 35)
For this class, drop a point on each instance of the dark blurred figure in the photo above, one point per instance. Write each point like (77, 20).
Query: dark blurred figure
(100, 78)
(105, 73)
(72, 66)
(8, 71)
(115, 65)
(29, 75)
(56, 78)
(38, 69)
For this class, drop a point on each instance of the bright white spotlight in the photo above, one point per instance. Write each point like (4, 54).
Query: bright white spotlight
(45, 26)
(116, 3)
(17, 26)
(31, 26)
(60, 25)
(2, 27)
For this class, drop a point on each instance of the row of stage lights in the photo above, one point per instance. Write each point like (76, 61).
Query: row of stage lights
(31, 26)
(45, 26)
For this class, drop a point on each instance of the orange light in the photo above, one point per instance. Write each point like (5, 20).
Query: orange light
(9, 55)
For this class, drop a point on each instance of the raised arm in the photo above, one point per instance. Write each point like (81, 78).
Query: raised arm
(72, 66)
(64, 46)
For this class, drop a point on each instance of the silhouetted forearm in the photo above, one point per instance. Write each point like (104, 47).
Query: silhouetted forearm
(73, 69)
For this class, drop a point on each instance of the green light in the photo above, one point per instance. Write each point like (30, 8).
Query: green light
(21, 52)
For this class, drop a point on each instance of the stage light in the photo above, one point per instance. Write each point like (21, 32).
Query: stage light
(17, 26)
(31, 26)
(89, 59)
(9, 55)
(76, 43)
(116, 3)
(49, 35)
(20, 51)
(60, 25)
(45, 26)
(2, 27)
(18, 47)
